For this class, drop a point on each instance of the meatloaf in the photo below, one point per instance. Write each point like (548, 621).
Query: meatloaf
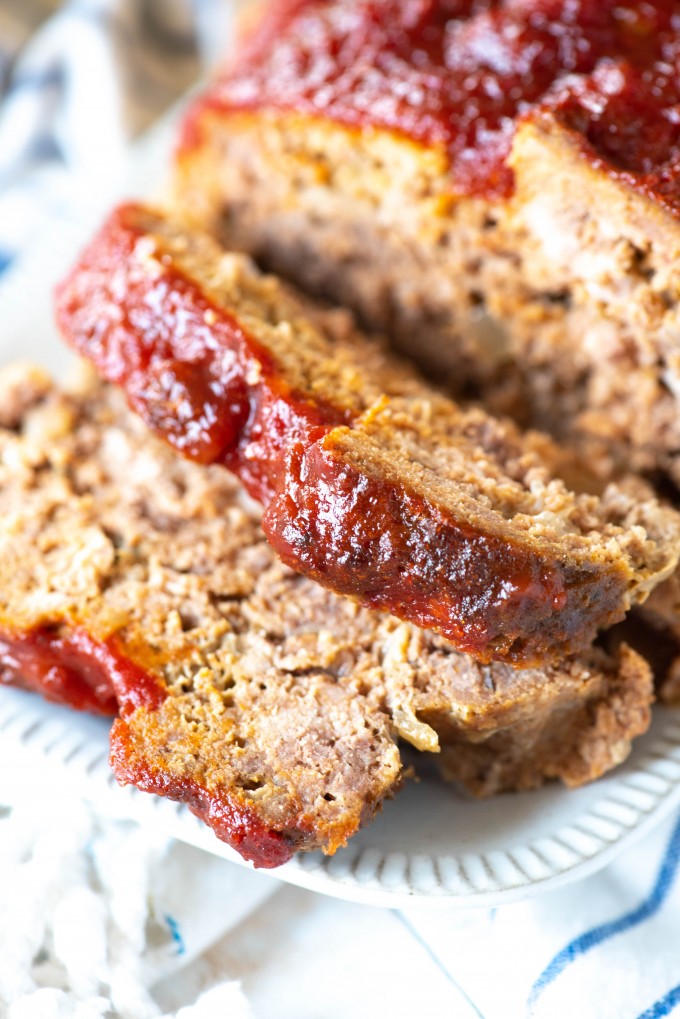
(268, 704)
(494, 183)
(372, 483)
(659, 638)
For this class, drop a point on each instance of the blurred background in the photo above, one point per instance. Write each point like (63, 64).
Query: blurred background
(172, 38)
(79, 81)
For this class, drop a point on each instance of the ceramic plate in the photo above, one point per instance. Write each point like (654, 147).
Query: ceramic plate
(432, 843)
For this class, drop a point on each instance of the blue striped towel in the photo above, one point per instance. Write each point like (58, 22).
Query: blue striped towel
(605, 948)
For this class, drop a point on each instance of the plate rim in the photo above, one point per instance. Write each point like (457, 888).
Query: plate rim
(73, 747)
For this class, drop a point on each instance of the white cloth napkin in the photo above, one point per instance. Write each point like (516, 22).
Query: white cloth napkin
(96, 916)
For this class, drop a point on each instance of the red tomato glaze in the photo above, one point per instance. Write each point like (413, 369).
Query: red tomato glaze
(74, 669)
(354, 530)
(184, 362)
(232, 821)
(459, 73)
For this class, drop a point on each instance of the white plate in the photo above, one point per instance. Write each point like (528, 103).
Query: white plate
(432, 844)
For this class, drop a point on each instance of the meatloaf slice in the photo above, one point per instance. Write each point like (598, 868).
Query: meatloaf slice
(494, 185)
(155, 572)
(660, 637)
(373, 484)
(267, 703)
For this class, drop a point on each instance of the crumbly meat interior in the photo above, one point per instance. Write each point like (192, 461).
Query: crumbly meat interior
(105, 531)
(586, 232)
(660, 637)
(368, 220)
(557, 305)
(509, 563)
(277, 704)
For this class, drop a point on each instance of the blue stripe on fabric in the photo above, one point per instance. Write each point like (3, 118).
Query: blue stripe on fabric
(664, 1006)
(45, 149)
(6, 259)
(52, 77)
(176, 935)
(429, 951)
(596, 935)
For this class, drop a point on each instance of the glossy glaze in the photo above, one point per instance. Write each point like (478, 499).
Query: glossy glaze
(68, 668)
(460, 73)
(359, 532)
(71, 668)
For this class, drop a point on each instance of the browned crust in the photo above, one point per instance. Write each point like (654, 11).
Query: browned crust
(230, 815)
(267, 703)
(607, 720)
(446, 536)
(558, 306)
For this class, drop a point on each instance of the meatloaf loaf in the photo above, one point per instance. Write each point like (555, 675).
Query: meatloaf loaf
(372, 483)
(660, 637)
(494, 183)
(132, 577)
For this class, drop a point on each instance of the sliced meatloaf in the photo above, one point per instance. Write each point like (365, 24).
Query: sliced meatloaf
(494, 184)
(270, 705)
(372, 483)
(660, 640)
